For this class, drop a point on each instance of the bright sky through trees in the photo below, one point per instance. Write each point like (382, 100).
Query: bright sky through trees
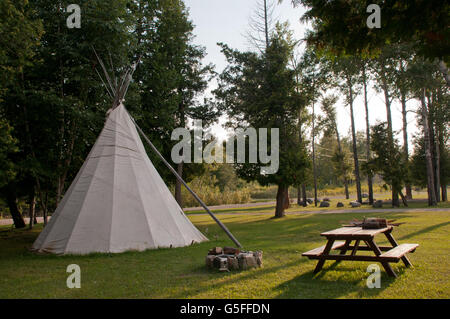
(227, 22)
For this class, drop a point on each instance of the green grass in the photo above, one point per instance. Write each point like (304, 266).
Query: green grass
(180, 272)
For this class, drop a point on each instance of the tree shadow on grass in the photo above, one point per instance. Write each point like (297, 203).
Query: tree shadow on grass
(425, 230)
(233, 277)
(334, 281)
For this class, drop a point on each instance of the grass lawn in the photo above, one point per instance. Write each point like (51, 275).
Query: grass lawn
(180, 272)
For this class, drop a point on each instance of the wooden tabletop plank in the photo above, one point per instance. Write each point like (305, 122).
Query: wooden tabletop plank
(341, 231)
(372, 232)
(356, 232)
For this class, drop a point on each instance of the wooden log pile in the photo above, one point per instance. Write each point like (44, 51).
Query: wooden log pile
(372, 223)
(229, 258)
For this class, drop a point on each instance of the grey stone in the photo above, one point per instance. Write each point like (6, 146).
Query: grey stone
(355, 204)
(378, 204)
(324, 204)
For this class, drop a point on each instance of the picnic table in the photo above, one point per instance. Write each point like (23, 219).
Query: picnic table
(341, 239)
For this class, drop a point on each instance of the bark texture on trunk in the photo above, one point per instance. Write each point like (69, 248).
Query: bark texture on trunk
(347, 195)
(338, 138)
(281, 198)
(437, 165)
(11, 200)
(32, 208)
(266, 24)
(355, 151)
(366, 107)
(428, 157)
(287, 200)
(405, 143)
(305, 202)
(395, 199)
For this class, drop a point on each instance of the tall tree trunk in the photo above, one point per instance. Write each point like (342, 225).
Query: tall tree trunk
(38, 183)
(178, 196)
(338, 138)
(366, 106)
(314, 151)
(266, 24)
(428, 156)
(355, 152)
(45, 209)
(405, 143)
(405, 202)
(442, 144)
(405, 133)
(438, 164)
(62, 124)
(280, 204)
(347, 195)
(395, 199)
(32, 208)
(434, 142)
(299, 195)
(305, 202)
(11, 200)
(287, 201)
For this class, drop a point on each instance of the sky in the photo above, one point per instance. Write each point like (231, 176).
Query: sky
(227, 21)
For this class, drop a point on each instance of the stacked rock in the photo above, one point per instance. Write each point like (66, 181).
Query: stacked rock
(230, 258)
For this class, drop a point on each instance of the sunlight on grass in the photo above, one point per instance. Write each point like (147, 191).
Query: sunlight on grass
(180, 272)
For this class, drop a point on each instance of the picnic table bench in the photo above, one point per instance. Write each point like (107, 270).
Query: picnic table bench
(341, 240)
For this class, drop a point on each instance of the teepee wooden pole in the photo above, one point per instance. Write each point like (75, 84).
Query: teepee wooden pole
(225, 229)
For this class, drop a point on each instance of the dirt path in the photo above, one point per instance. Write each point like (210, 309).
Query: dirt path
(7, 221)
(341, 211)
(227, 206)
(258, 204)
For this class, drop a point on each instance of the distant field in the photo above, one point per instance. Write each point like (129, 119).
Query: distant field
(180, 272)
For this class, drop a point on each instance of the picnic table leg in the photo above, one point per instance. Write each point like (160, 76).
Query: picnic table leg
(377, 252)
(395, 244)
(355, 248)
(344, 249)
(325, 252)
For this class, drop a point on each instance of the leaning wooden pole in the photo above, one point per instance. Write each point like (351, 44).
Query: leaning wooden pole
(225, 229)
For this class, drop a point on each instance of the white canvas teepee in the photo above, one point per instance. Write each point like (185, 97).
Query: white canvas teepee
(117, 201)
